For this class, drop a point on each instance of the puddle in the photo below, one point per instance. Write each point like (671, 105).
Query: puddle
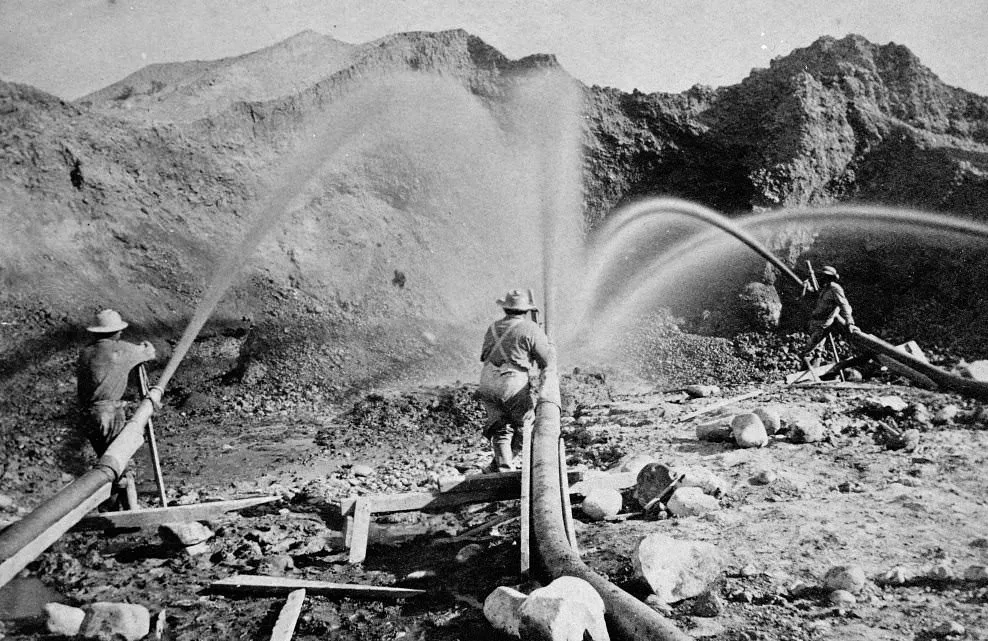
(25, 598)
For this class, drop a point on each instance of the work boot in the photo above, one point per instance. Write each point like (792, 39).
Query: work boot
(503, 457)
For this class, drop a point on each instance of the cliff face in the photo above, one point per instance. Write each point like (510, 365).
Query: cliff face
(405, 173)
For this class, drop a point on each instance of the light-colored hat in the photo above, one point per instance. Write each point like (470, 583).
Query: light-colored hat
(517, 300)
(107, 322)
(830, 271)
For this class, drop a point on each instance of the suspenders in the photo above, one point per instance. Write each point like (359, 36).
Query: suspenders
(498, 346)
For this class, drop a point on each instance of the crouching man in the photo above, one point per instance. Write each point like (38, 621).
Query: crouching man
(102, 372)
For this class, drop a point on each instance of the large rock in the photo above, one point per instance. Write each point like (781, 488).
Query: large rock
(748, 431)
(546, 610)
(676, 570)
(186, 533)
(601, 503)
(653, 479)
(501, 610)
(701, 477)
(845, 577)
(702, 391)
(115, 621)
(715, 431)
(771, 419)
(978, 370)
(691, 501)
(64, 620)
(806, 428)
(760, 305)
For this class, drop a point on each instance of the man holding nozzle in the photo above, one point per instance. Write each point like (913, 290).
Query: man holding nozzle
(513, 346)
(832, 310)
(102, 372)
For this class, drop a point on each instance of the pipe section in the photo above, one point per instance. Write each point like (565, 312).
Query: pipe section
(24, 540)
(628, 618)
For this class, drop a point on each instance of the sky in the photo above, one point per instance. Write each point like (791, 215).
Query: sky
(73, 47)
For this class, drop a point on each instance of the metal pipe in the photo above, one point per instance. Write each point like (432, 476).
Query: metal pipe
(628, 617)
(24, 540)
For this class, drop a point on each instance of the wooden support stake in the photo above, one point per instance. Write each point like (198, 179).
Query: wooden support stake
(149, 517)
(565, 502)
(360, 531)
(284, 627)
(254, 584)
(526, 501)
(719, 404)
(152, 442)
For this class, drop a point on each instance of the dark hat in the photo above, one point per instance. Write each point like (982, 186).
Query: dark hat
(830, 271)
(517, 300)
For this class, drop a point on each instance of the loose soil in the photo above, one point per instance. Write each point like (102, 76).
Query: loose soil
(848, 499)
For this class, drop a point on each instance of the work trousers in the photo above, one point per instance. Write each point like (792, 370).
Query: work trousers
(102, 423)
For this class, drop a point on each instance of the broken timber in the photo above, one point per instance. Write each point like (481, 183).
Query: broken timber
(478, 488)
(718, 405)
(150, 517)
(284, 627)
(274, 585)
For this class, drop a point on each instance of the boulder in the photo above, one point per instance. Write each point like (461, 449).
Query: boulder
(978, 370)
(64, 620)
(759, 304)
(763, 477)
(554, 618)
(114, 621)
(702, 391)
(501, 610)
(976, 573)
(674, 569)
(771, 418)
(691, 501)
(946, 414)
(748, 431)
(701, 477)
(845, 577)
(574, 591)
(184, 533)
(652, 480)
(843, 599)
(806, 428)
(716, 431)
(632, 463)
(467, 552)
(601, 503)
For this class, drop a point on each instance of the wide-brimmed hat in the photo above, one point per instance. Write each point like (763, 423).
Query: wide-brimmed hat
(830, 271)
(517, 300)
(107, 322)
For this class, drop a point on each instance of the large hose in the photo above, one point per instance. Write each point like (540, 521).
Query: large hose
(24, 540)
(627, 617)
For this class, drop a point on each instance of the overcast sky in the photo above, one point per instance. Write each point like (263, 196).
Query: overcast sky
(73, 47)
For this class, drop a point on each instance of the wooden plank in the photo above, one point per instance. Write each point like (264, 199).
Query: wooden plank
(149, 517)
(430, 501)
(361, 530)
(276, 585)
(493, 482)
(809, 375)
(719, 404)
(16, 562)
(526, 501)
(284, 627)
(565, 502)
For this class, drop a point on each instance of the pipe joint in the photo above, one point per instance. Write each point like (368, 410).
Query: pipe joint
(113, 464)
(154, 394)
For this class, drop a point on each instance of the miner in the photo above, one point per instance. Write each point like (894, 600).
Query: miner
(102, 372)
(831, 313)
(513, 346)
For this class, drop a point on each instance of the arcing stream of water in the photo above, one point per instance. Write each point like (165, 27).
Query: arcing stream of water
(611, 303)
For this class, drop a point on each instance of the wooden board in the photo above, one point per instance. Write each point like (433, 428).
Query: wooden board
(526, 502)
(609, 480)
(360, 530)
(268, 585)
(150, 517)
(719, 404)
(284, 627)
(497, 481)
(430, 501)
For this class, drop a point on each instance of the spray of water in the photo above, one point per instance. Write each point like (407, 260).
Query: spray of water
(615, 304)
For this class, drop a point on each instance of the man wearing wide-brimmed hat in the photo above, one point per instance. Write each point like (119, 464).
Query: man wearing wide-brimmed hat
(831, 312)
(102, 372)
(513, 347)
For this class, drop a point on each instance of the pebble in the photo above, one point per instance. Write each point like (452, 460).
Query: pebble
(764, 477)
(950, 629)
(946, 414)
(978, 573)
(362, 469)
(842, 599)
(702, 391)
(468, 552)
